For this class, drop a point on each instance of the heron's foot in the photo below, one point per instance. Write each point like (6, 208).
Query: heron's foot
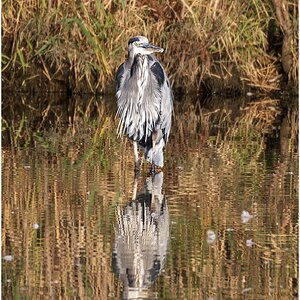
(155, 169)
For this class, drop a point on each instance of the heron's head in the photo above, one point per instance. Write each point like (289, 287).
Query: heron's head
(141, 45)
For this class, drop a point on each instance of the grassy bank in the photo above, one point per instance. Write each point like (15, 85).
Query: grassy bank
(77, 45)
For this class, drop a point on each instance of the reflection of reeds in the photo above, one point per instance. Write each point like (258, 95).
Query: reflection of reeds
(80, 45)
(67, 255)
(77, 172)
(215, 199)
(216, 190)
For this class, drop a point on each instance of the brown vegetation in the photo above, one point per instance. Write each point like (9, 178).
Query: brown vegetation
(212, 45)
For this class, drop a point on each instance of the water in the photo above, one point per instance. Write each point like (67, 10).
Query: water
(220, 222)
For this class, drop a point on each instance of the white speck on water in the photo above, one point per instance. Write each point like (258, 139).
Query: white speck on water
(211, 236)
(35, 226)
(55, 281)
(8, 257)
(246, 216)
(249, 243)
(229, 229)
(245, 290)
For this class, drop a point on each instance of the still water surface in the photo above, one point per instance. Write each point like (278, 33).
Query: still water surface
(220, 222)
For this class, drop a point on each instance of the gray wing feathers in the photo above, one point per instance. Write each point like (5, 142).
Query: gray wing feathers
(166, 103)
(166, 109)
(138, 106)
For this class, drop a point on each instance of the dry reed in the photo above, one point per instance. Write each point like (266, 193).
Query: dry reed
(79, 45)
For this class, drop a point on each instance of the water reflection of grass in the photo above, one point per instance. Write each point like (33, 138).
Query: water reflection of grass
(223, 178)
(75, 174)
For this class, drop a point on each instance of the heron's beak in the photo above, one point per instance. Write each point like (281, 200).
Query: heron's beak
(151, 48)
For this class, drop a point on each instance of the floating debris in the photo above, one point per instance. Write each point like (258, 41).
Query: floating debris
(211, 236)
(229, 229)
(245, 290)
(8, 257)
(249, 243)
(55, 281)
(35, 226)
(246, 216)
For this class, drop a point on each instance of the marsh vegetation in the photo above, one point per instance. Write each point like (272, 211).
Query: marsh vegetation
(229, 191)
(210, 45)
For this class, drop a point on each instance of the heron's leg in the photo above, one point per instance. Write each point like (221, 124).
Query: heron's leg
(135, 185)
(152, 169)
(154, 139)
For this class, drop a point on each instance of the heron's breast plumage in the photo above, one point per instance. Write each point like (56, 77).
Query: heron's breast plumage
(139, 100)
(142, 79)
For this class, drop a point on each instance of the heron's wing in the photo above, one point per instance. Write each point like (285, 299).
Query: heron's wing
(119, 76)
(166, 108)
(124, 102)
(136, 116)
(158, 73)
(166, 105)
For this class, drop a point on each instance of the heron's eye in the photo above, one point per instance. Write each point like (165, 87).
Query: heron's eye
(136, 43)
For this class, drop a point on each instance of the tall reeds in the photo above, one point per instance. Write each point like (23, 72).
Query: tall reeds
(78, 45)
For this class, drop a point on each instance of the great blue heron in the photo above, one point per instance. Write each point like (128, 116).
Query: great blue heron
(145, 101)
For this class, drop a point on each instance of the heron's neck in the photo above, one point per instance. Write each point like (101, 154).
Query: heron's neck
(138, 65)
(133, 58)
(130, 59)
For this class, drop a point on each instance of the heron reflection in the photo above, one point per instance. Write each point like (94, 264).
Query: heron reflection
(141, 239)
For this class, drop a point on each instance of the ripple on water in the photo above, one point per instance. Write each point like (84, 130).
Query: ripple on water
(223, 224)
